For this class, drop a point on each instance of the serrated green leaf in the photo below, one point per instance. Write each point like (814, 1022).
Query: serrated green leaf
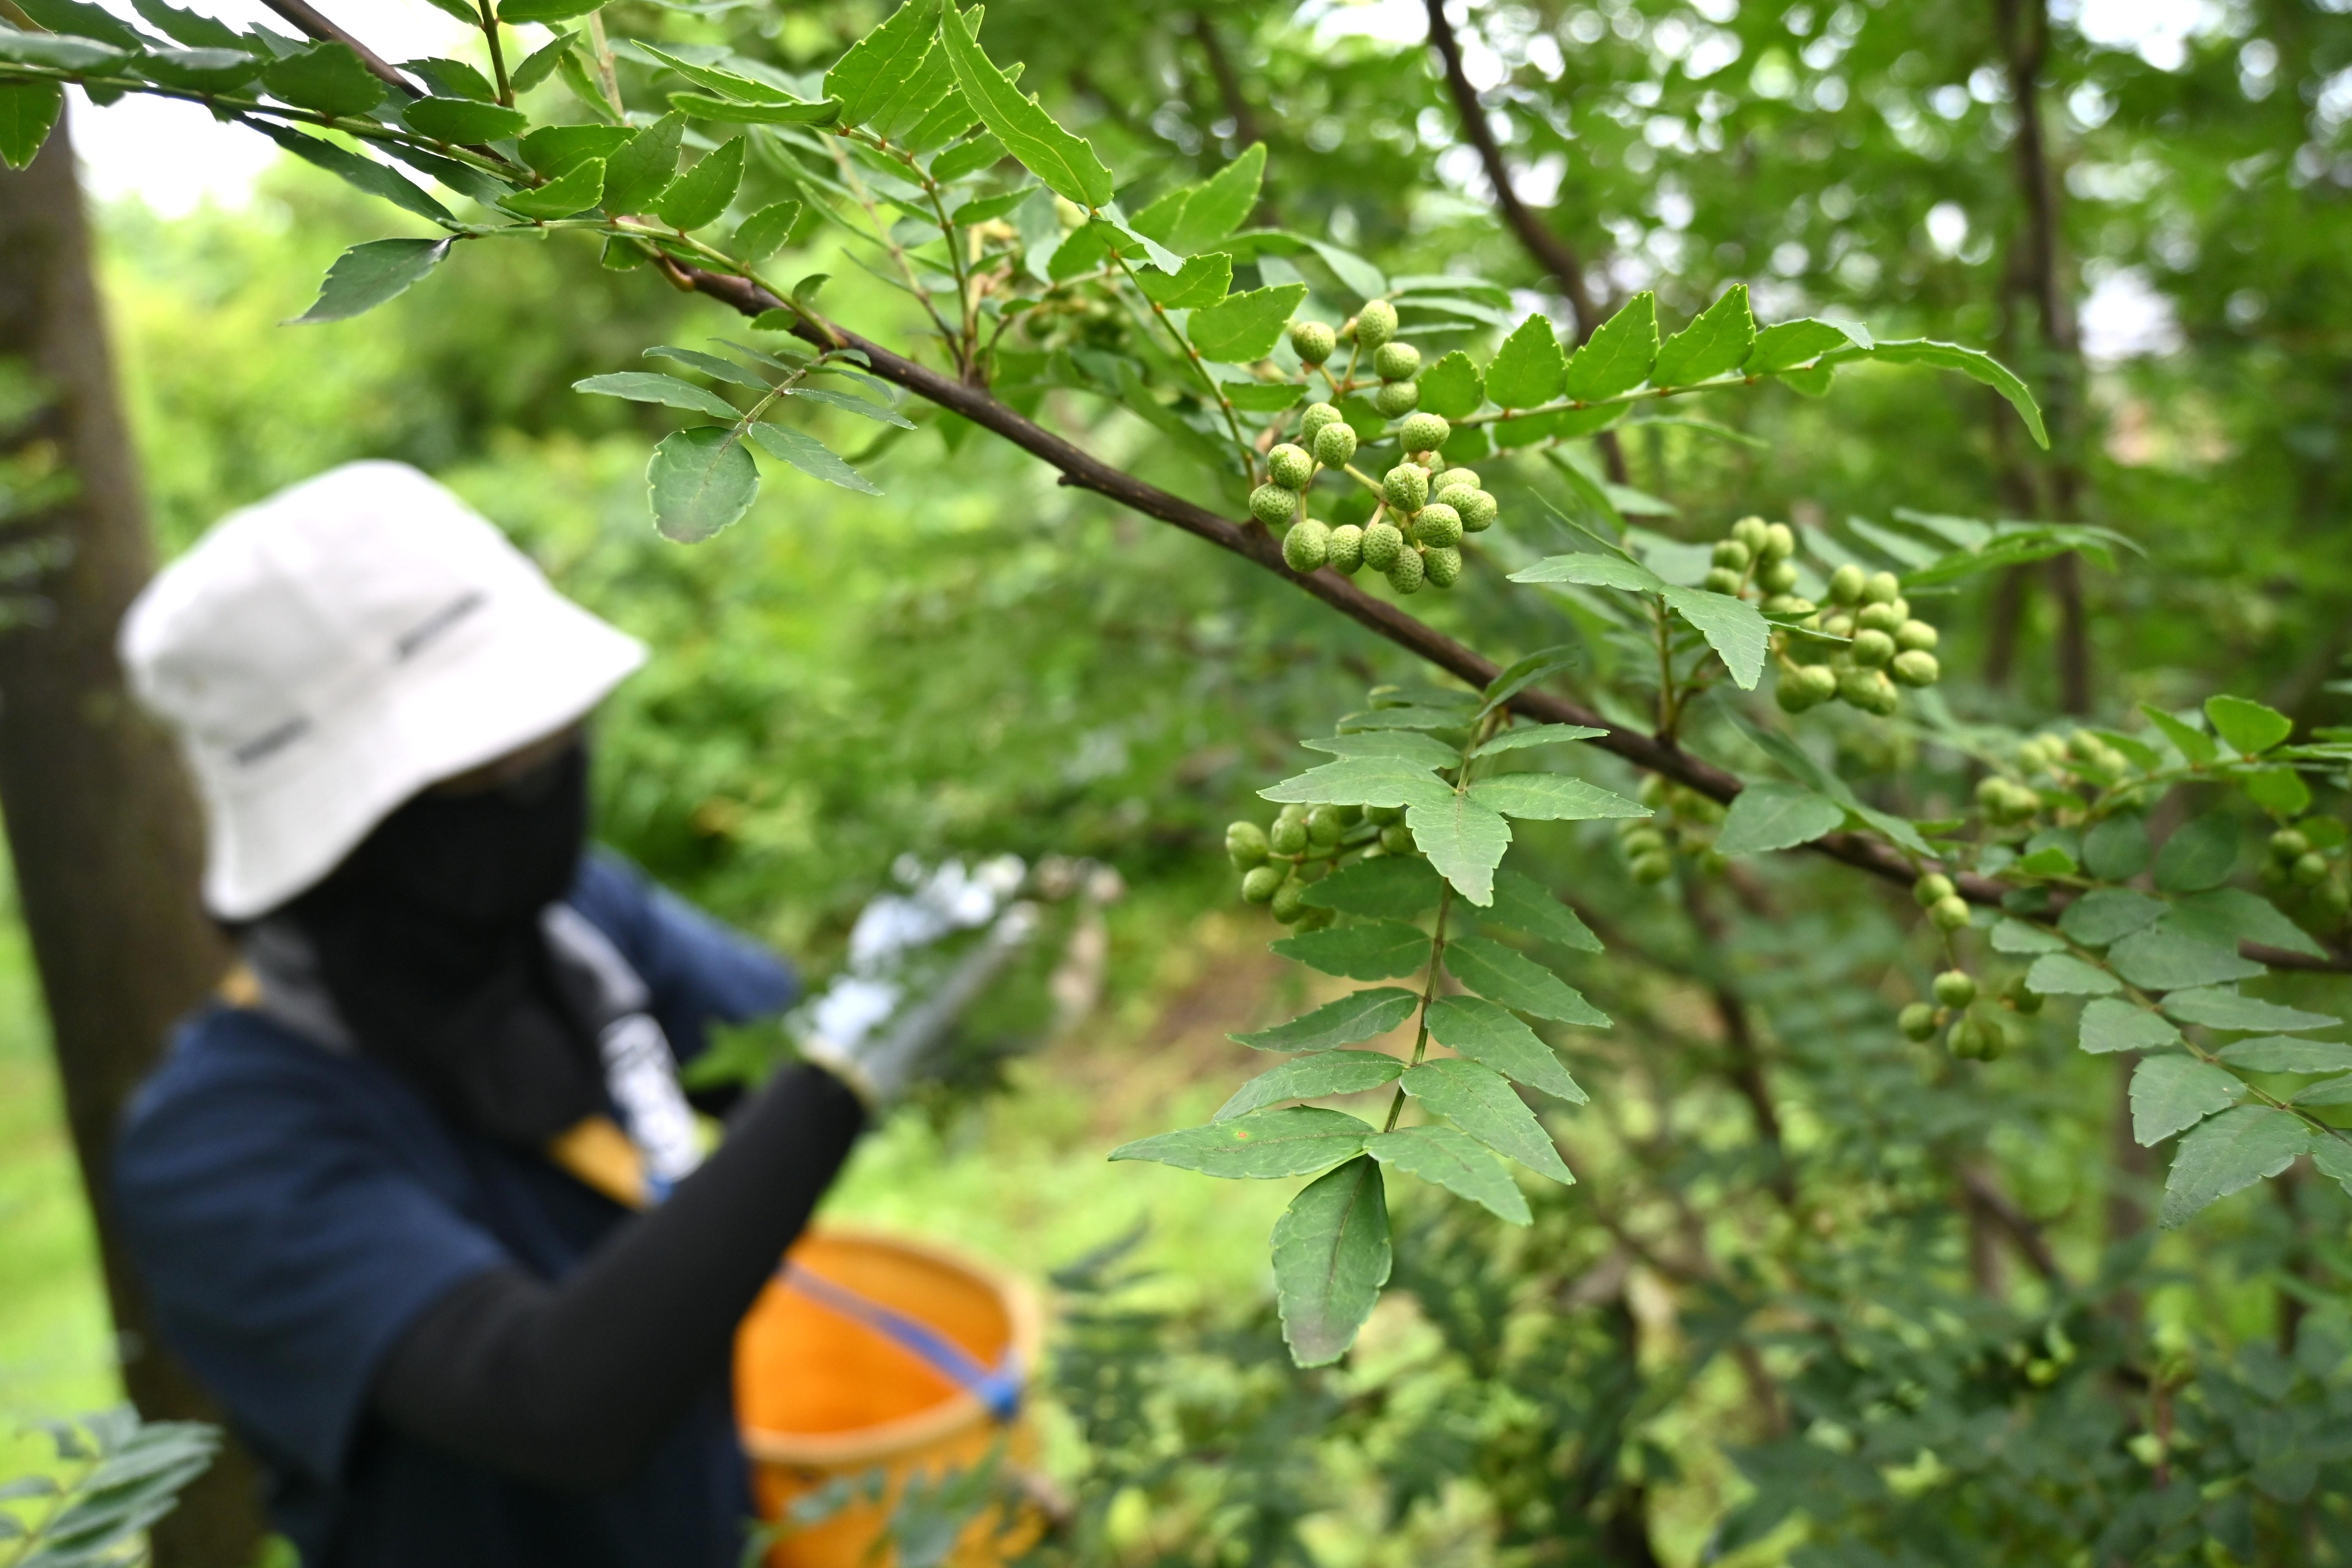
(28, 113)
(366, 173)
(1359, 1016)
(1480, 1102)
(1202, 281)
(1220, 205)
(1453, 387)
(876, 77)
(1258, 1147)
(2062, 974)
(462, 121)
(1454, 1161)
(765, 231)
(1262, 396)
(2234, 1150)
(1974, 363)
(328, 78)
(1463, 841)
(1067, 163)
(652, 386)
(2252, 727)
(2331, 1156)
(700, 480)
(1522, 673)
(810, 457)
(701, 194)
(736, 111)
(2104, 914)
(1522, 737)
(2109, 1026)
(367, 275)
(1378, 719)
(1772, 816)
(1378, 949)
(970, 158)
(1551, 797)
(1712, 345)
(1791, 343)
(554, 150)
(1523, 905)
(2200, 854)
(1241, 328)
(2193, 744)
(1529, 368)
(2284, 1053)
(2015, 936)
(1331, 1256)
(2227, 916)
(541, 63)
(187, 27)
(577, 190)
(516, 12)
(1412, 746)
(2327, 1091)
(2221, 1008)
(638, 174)
(74, 53)
(1312, 1077)
(2172, 1092)
(1479, 1029)
(1362, 780)
(1593, 571)
(2159, 960)
(2116, 848)
(1505, 974)
(1395, 887)
(1732, 626)
(1618, 356)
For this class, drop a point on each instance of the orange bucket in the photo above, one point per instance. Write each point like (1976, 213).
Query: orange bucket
(832, 1381)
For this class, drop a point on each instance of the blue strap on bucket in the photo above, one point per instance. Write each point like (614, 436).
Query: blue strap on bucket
(998, 1390)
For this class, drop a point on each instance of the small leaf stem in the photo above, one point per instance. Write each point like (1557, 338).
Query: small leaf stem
(498, 56)
(1191, 355)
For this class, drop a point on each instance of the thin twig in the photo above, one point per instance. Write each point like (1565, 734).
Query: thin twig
(314, 26)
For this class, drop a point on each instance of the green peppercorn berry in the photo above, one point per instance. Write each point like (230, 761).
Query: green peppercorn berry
(1325, 823)
(1288, 835)
(1993, 1043)
(1261, 883)
(1780, 543)
(1452, 477)
(1314, 341)
(1376, 323)
(1846, 585)
(2310, 869)
(1438, 524)
(1810, 685)
(1396, 361)
(1654, 792)
(1344, 552)
(1408, 572)
(1334, 445)
(1274, 506)
(2287, 844)
(1722, 580)
(1858, 686)
(1245, 844)
(1395, 399)
(1396, 838)
(1406, 487)
(1778, 577)
(1883, 588)
(1878, 618)
(1914, 668)
(1643, 840)
(1916, 637)
(1307, 546)
(1838, 624)
(1788, 606)
(1292, 467)
(1381, 815)
(1477, 508)
(1383, 543)
(2022, 998)
(1443, 564)
(1289, 902)
(1965, 1039)
(1956, 988)
(1932, 888)
(1291, 811)
(1949, 913)
(1872, 648)
(1319, 417)
(1750, 534)
(2333, 898)
(1732, 555)
(1652, 868)
(1424, 432)
(1917, 1022)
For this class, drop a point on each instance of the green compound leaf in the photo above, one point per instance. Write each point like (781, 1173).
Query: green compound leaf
(1331, 1256)
(2327, 1091)
(515, 13)
(2283, 1053)
(2251, 727)
(461, 119)
(1481, 1103)
(328, 78)
(73, 53)
(1409, 746)
(636, 177)
(1463, 841)
(2199, 855)
(1200, 283)
(1733, 627)
(555, 150)
(1361, 781)
(1219, 205)
(701, 194)
(1258, 1147)
(1774, 815)
(2116, 848)
(1528, 369)
(2193, 742)
(1262, 396)
(1065, 164)
(2109, 1026)
(1593, 571)
(1792, 343)
(1477, 1029)
(1712, 345)
(1359, 1016)
(2223, 1008)
(1312, 1077)
(708, 365)
(1395, 887)
(367, 275)
(541, 63)
(850, 403)
(1241, 328)
(366, 173)
(1521, 737)
(1379, 950)
(764, 232)
(1456, 1162)
(577, 190)
(876, 77)
(2062, 974)
(2332, 1156)
(2172, 1092)
(1522, 673)
(28, 113)
(2104, 914)
(2010, 935)
(1551, 797)
(1974, 363)
(1618, 356)
(700, 480)
(2162, 960)
(652, 386)
(1453, 387)
(810, 457)
(1522, 904)
(2234, 1150)
(735, 111)
(1505, 974)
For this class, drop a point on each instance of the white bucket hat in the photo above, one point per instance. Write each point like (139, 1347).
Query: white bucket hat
(331, 651)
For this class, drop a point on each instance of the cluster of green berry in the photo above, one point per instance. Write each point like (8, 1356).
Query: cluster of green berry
(2305, 858)
(1886, 646)
(1971, 1034)
(1373, 331)
(1416, 534)
(1304, 845)
(2065, 761)
(1684, 820)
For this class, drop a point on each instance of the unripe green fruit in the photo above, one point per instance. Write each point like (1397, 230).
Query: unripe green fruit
(1933, 889)
(1872, 648)
(1870, 690)
(1788, 606)
(1262, 883)
(1424, 432)
(1956, 988)
(1383, 543)
(1795, 696)
(1751, 534)
(1878, 618)
(1722, 580)
(1319, 417)
(1346, 549)
(1949, 913)
(1820, 682)
(1438, 524)
(1314, 341)
(1654, 792)
(1965, 1039)
(1914, 668)
(1653, 868)
(1315, 919)
(1883, 588)
(1916, 637)
(1780, 543)
(1733, 554)
(1396, 361)
(2019, 996)
(2287, 844)
(1442, 563)
(1274, 506)
(1902, 608)
(1396, 838)
(1325, 823)
(1288, 835)
(1643, 840)
(1917, 1022)
(1477, 508)
(1846, 585)
(1376, 323)
(1384, 815)
(1992, 1044)
(1307, 546)
(1778, 577)
(1334, 445)
(2309, 869)
(1292, 467)
(2082, 745)
(1245, 844)
(1838, 626)
(1395, 399)
(1289, 902)
(1291, 811)
(1452, 477)
(2333, 898)
(1406, 486)
(1408, 572)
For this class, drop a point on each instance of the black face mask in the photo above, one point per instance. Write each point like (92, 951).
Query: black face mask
(428, 940)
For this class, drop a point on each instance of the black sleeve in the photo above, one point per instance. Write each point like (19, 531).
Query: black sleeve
(572, 1385)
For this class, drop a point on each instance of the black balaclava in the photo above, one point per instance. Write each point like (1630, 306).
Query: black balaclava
(429, 941)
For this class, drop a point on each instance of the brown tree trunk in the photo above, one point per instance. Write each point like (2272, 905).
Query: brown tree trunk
(99, 820)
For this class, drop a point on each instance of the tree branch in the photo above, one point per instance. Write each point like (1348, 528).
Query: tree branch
(307, 18)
